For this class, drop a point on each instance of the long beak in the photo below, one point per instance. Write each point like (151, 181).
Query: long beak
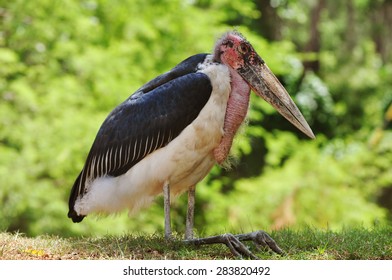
(264, 83)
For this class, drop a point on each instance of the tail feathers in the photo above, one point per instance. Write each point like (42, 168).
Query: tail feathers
(76, 218)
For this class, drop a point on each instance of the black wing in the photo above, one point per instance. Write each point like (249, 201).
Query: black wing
(146, 121)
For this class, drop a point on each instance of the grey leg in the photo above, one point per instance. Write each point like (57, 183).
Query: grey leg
(166, 206)
(190, 214)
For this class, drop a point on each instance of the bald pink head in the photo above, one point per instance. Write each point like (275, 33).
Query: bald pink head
(233, 50)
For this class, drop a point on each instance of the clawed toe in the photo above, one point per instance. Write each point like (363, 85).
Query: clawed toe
(237, 248)
(234, 242)
(262, 240)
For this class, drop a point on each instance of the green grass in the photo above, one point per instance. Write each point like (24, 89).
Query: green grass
(309, 243)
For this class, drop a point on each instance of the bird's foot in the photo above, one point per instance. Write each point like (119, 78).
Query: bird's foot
(260, 238)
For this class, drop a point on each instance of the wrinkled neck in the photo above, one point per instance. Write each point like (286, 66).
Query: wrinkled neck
(236, 110)
(239, 86)
(238, 104)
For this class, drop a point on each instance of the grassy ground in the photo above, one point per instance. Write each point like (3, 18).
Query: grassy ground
(358, 243)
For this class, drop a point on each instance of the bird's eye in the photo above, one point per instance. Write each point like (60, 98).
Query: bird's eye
(243, 48)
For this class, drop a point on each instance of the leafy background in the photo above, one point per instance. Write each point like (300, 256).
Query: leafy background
(64, 65)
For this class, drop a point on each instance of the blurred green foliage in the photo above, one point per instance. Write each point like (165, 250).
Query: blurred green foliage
(64, 65)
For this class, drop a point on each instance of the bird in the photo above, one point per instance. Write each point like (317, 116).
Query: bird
(166, 137)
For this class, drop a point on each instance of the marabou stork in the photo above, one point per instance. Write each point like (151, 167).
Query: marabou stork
(167, 136)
